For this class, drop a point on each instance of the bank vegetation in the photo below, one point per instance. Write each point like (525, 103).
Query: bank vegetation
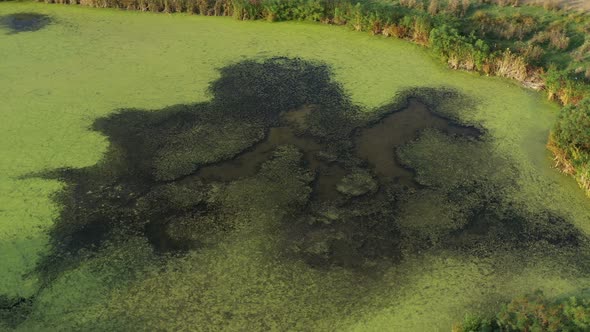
(533, 312)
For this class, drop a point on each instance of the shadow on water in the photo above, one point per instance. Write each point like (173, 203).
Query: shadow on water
(166, 174)
(290, 132)
(23, 22)
(375, 144)
(248, 163)
(165, 171)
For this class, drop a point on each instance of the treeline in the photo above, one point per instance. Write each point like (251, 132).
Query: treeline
(461, 32)
(533, 313)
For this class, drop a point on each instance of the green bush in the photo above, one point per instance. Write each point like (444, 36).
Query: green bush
(570, 142)
(565, 86)
(465, 52)
(533, 313)
(572, 130)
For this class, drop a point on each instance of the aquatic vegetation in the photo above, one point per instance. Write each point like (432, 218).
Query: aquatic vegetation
(364, 220)
(22, 22)
(144, 181)
(473, 37)
(13, 311)
(272, 245)
(357, 183)
(150, 181)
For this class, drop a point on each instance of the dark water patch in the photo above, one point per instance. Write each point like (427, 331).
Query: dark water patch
(154, 179)
(290, 132)
(509, 228)
(247, 164)
(299, 118)
(181, 176)
(352, 233)
(280, 151)
(377, 143)
(23, 22)
(446, 102)
(14, 310)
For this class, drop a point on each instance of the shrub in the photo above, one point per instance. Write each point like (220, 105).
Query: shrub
(582, 53)
(421, 30)
(533, 313)
(506, 27)
(533, 54)
(465, 4)
(536, 312)
(570, 142)
(572, 130)
(453, 7)
(459, 51)
(565, 86)
(475, 324)
(556, 37)
(247, 9)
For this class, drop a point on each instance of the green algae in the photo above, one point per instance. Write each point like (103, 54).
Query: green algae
(52, 93)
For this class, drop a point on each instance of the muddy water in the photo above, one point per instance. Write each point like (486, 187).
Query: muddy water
(247, 164)
(377, 143)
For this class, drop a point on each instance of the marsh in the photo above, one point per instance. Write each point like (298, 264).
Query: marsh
(238, 176)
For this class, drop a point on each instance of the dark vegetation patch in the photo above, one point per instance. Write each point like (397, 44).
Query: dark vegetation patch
(159, 174)
(280, 137)
(345, 187)
(498, 225)
(23, 22)
(14, 310)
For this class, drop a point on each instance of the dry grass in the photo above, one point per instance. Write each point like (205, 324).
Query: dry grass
(560, 158)
(563, 164)
(556, 36)
(583, 5)
(511, 65)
